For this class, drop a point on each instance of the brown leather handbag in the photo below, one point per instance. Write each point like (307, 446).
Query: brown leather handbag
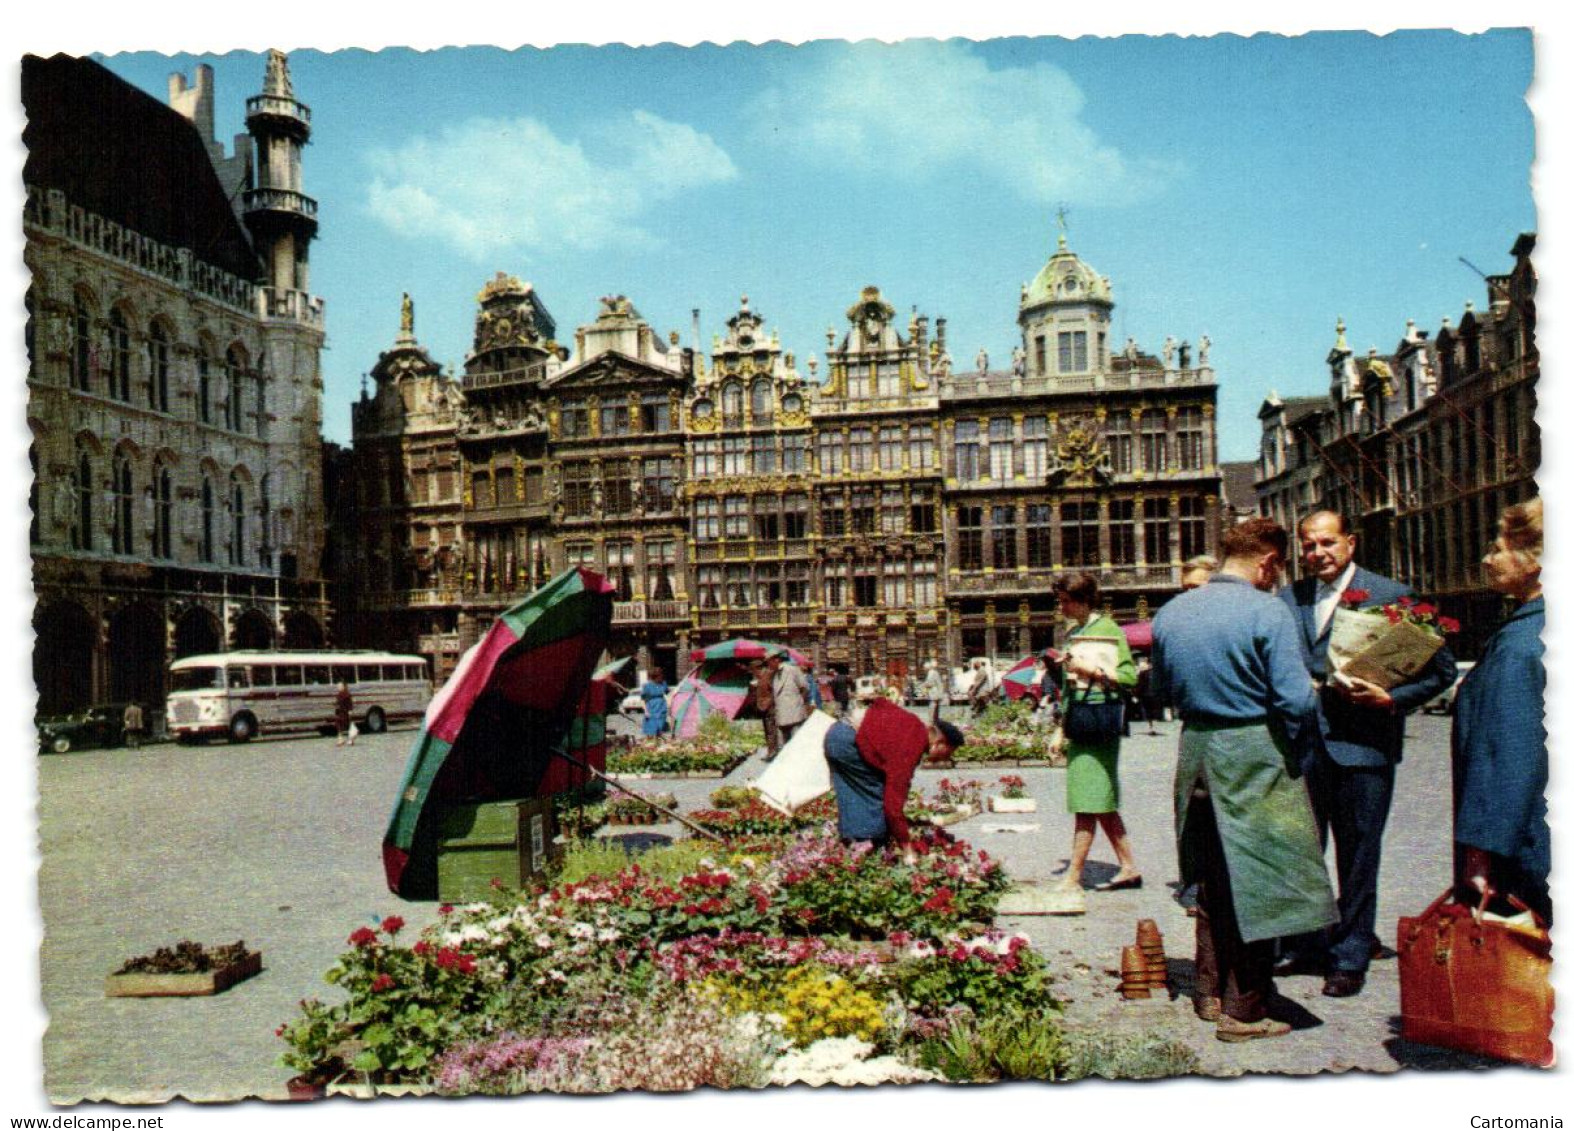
(1476, 985)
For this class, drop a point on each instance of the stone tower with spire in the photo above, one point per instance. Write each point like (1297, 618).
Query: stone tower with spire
(282, 221)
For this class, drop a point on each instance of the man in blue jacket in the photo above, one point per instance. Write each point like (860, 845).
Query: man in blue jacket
(1351, 778)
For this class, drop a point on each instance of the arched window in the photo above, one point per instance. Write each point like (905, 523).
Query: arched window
(237, 516)
(732, 404)
(119, 356)
(265, 514)
(163, 513)
(204, 386)
(84, 358)
(158, 368)
(82, 527)
(761, 402)
(205, 540)
(234, 372)
(121, 537)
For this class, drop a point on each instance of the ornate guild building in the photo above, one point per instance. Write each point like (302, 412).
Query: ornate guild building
(892, 513)
(174, 397)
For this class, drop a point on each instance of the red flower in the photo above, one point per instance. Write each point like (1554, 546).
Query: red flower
(445, 909)
(1407, 601)
(1354, 596)
(1448, 624)
(382, 982)
(1394, 615)
(1424, 610)
(363, 936)
(392, 924)
(450, 958)
(422, 948)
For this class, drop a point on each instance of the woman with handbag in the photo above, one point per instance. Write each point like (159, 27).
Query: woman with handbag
(1098, 670)
(1500, 748)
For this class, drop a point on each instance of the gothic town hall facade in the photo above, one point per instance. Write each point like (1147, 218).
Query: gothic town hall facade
(891, 510)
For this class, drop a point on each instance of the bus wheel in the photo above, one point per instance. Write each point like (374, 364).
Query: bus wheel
(61, 744)
(376, 721)
(242, 728)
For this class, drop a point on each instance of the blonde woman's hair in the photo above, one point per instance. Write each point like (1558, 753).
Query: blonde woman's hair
(1520, 528)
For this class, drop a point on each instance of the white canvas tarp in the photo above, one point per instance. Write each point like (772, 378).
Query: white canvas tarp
(800, 772)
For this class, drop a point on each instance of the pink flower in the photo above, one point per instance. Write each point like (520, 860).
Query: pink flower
(363, 936)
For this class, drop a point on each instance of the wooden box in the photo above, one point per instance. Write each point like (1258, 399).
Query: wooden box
(506, 841)
(183, 985)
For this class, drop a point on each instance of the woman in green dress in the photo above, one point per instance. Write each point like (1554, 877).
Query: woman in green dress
(1092, 778)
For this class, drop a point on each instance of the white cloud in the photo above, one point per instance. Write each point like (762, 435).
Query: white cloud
(490, 185)
(924, 108)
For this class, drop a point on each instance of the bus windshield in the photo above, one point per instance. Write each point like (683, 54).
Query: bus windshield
(196, 679)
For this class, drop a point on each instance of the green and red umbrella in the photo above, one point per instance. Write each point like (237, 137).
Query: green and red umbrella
(524, 691)
(1019, 680)
(719, 686)
(745, 649)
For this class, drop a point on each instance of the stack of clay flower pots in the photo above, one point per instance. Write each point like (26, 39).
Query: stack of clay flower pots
(1142, 967)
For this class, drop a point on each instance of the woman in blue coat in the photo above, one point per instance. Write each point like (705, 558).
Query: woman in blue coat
(1500, 739)
(654, 694)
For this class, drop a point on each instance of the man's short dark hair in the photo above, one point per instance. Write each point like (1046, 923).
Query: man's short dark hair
(1344, 523)
(1081, 587)
(1253, 538)
(951, 733)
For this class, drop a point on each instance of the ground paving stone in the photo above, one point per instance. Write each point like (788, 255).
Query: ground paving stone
(278, 843)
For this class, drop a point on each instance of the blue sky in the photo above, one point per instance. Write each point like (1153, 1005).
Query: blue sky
(1253, 189)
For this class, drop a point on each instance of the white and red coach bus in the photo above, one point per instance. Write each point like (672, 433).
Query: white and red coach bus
(239, 695)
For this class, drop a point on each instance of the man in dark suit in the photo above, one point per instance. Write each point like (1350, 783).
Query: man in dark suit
(1351, 777)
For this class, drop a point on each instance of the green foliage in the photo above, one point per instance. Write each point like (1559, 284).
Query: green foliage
(733, 796)
(1008, 1045)
(606, 857)
(1120, 1056)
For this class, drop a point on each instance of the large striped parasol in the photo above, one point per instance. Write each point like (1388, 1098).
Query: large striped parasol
(717, 687)
(1019, 679)
(742, 648)
(490, 732)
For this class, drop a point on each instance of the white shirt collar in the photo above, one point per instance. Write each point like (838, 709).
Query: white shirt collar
(1340, 583)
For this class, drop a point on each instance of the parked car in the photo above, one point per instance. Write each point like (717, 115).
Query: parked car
(1443, 704)
(101, 725)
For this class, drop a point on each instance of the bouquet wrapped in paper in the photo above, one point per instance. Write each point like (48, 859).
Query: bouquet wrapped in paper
(1386, 646)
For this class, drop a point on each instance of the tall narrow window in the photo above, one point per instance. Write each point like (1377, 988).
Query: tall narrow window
(1117, 435)
(921, 511)
(1079, 532)
(740, 587)
(1122, 532)
(661, 484)
(967, 468)
(1035, 448)
(767, 519)
(237, 523)
(1000, 445)
(891, 448)
(265, 521)
(615, 418)
(661, 569)
(735, 516)
(1190, 453)
(1193, 526)
(888, 381)
(1003, 537)
(1036, 520)
(82, 528)
(119, 357)
(830, 446)
(234, 373)
(707, 521)
(260, 389)
(863, 512)
(1156, 531)
(204, 388)
(860, 450)
(620, 568)
(617, 486)
(921, 448)
(970, 538)
(732, 404)
(735, 455)
(795, 452)
(158, 368)
(579, 491)
(925, 591)
(1073, 351)
(707, 458)
(205, 533)
(835, 584)
(893, 512)
(574, 419)
(833, 514)
(893, 584)
(762, 453)
(707, 586)
(655, 413)
(761, 402)
(795, 516)
(1155, 451)
(84, 355)
(121, 540)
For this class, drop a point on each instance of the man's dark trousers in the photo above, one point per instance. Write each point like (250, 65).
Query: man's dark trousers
(1351, 778)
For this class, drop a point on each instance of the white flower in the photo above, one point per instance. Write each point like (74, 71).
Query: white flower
(474, 932)
(582, 931)
(452, 938)
(608, 934)
(544, 941)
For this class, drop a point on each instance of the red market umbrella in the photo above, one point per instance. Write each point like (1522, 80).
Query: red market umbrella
(719, 686)
(1139, 634)
(524, 691)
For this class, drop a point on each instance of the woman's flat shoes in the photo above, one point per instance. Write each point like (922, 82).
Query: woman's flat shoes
(1130, 882)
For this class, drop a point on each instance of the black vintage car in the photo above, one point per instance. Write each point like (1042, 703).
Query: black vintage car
(101, 725)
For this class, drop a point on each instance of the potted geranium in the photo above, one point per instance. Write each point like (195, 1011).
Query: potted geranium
(1013, 797)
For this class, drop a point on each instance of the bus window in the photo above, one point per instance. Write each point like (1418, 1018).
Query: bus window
(344, 673)
(316, 673)
(288, 675)
(196, 679)
(237, 677)
(261, 675)
(370, 673)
